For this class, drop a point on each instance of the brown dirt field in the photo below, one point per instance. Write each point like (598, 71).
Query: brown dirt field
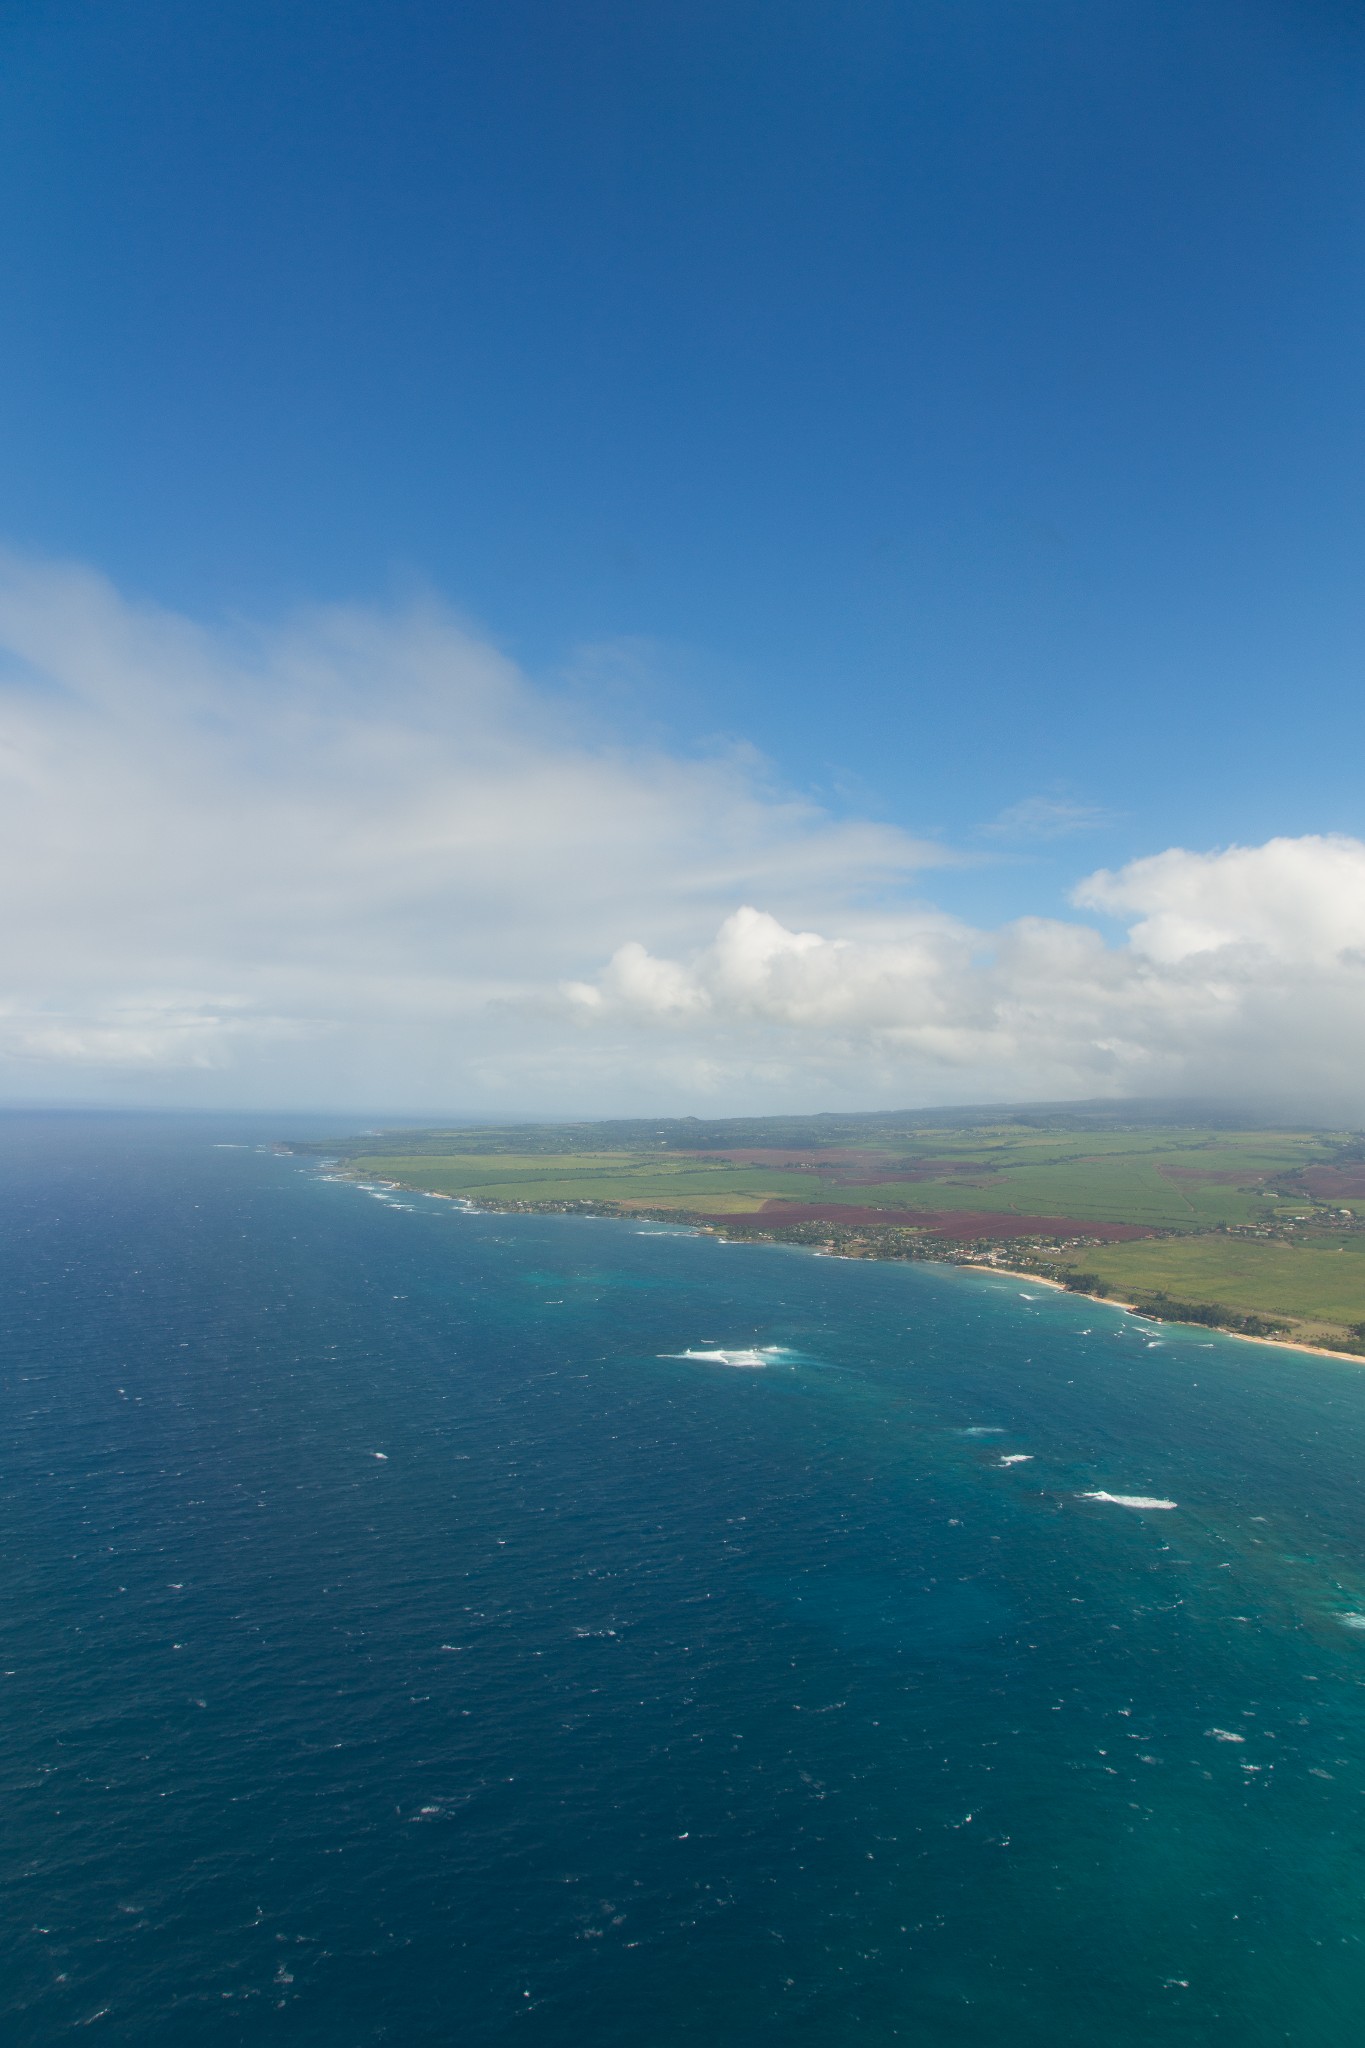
(848, 1167)
(1344, 1182)
(881, 1172)
(936, 1222)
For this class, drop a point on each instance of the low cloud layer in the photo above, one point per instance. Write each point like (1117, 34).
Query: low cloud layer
(1243, 975)
(362, 860)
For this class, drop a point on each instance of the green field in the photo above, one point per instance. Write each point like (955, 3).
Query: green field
(617, 1178)
(1261, 1222)
(1167, 1180)
(1317, 1287)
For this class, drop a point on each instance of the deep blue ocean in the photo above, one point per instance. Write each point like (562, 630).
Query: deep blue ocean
(403, 1643)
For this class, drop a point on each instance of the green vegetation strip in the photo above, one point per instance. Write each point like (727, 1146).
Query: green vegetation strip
(1314, 1287)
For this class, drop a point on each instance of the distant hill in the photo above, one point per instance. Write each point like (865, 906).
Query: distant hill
(831, 1127)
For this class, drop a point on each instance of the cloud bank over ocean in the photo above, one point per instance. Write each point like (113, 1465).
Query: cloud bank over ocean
(362, 859)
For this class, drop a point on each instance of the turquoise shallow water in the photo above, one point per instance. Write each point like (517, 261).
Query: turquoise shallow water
(631, 1698)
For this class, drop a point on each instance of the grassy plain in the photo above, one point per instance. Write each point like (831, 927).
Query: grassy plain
(1165, 1180)
(619, 1178)
(1317, 1286)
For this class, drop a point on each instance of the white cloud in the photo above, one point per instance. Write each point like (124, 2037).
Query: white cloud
(1243, 975)
(1047, 817)
(1299, 901)
(348, 859)
(362, 859)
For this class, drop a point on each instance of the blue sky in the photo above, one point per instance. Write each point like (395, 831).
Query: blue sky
(959, 404)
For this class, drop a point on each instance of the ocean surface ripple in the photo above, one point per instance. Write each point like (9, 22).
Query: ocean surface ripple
(413, 1632)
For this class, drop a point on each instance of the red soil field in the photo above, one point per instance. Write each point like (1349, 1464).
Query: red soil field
(847, 1166)
(1345, 1183)
(938, 1222)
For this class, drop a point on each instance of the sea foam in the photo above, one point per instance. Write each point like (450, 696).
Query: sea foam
(750, 1356)
(1130, 1500)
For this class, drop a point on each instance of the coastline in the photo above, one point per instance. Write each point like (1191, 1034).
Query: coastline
(960, 1265)
(1132, 1308)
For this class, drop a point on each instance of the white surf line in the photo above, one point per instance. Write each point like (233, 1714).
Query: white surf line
(1130, 1500)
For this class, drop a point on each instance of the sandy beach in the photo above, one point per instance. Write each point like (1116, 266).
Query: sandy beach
(1132, 1308)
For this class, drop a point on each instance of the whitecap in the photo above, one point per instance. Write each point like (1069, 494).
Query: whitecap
(1130, 1500)
(1352, 1620)
(749, 1356)
(1018, 1458)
